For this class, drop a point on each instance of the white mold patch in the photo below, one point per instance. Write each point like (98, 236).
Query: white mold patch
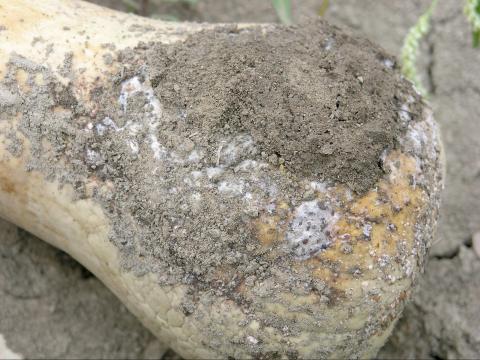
(93, 158)
(404, 112)
(213, 173)
(153, 114)
(270, 208)
(5, 352)
(233, 151)
(133, 146)
(308, 232)
(194, 157)
(159, 151)
(105, 125)
(129, 88)
(268, 187)
(194, 180)
(318, 186)
(248, 196)
(231, 188)
(417, 137)
(419, 140)
(100, 128)
(196, 197)
(132, 128)
(249, 165)
(367, 230)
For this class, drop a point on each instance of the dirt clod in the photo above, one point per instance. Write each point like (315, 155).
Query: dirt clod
(295, 90)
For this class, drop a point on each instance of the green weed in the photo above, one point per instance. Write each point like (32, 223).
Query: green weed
(323, 7)
(132, 5)
(472, 11)
(411, 47)
(284, 11)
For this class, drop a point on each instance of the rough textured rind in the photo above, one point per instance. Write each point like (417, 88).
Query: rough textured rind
(335, 296)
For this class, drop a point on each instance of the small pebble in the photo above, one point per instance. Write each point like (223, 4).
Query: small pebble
(476, 243)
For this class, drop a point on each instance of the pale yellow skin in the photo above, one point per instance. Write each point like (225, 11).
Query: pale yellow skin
(81, 228)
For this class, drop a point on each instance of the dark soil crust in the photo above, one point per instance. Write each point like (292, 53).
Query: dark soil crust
(317, 99)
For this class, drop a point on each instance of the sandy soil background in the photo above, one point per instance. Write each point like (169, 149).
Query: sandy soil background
(51, 307)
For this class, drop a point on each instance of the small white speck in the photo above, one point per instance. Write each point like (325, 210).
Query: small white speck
(329, 44)
(391, 278)
(100, 129)
(194, 156)
(408, 268)
(91, 155)
(367, 230)
(271, 208)
(384, 260)
(252, 340)
(388, 63)
(134, 146)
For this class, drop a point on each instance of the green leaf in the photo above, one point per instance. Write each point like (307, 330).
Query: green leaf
(165, 17)
(472, 11)
(476, 38)
(190, 2)
(132, 5)
(323, 8)
(284, 11)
